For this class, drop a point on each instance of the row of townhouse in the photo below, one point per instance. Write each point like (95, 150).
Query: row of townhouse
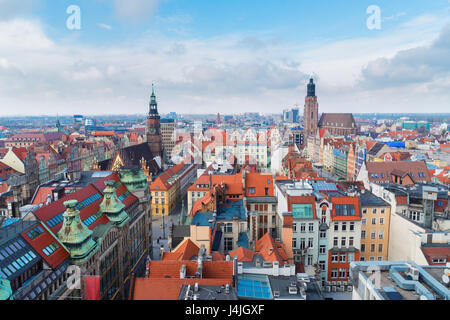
(169, 188)
(341, 157)
(332, 227)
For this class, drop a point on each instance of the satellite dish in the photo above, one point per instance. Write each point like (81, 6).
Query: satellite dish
(445, 279)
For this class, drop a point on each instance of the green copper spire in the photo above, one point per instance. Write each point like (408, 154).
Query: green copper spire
(75, 235)
(5, 290)
(111, 205)
(153, 103)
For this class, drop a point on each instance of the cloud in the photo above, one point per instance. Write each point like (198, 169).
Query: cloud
(135, 11)
(104, 26)
(219, 74)
(418, 65)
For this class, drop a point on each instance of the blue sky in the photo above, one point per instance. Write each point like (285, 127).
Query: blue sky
(223, 56)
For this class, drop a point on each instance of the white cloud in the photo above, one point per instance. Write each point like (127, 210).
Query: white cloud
(218, 74)
(104, 26)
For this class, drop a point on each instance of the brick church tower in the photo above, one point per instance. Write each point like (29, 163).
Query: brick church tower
(154, 138)
(311, 112)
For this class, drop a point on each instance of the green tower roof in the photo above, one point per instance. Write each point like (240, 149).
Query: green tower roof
(75, 235)
(5, 290)
(111, 205)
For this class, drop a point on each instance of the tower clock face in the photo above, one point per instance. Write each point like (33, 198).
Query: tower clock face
(152, 131)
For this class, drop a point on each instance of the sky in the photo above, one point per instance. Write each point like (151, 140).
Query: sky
(229, 56)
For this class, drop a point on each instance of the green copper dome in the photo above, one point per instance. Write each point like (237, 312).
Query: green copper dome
(133, 178)
(75, 235)
(111, 206)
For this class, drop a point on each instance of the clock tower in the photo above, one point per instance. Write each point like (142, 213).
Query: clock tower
(154, 138)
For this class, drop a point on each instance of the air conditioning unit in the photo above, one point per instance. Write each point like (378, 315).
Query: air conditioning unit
(413, 273)
(349, 288)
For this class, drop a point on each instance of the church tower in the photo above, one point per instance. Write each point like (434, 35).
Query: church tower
(311, 111)
(154, 138)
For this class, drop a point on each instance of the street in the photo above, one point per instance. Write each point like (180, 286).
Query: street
(158, 232)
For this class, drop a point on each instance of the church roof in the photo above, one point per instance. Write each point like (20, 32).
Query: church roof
(344, 120)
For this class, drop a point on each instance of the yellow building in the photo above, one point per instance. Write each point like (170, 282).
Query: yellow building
(168, 188)
(375, 220)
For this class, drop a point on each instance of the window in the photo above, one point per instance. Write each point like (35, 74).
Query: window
(342, 258)
(380, 258)
(52, 247)
(381, 234)
(343, 241)
(372, 247)
(374, 210)
(310, 242)
(322, 250)
(323, 235)
(35, 232)
(228, 227)
(303, 227)
(374, 221)
(334, 258)
(334, 273)
(302, 243)
(382, 210)
(310, 260)
(352, 226)
(350, 241)
(335, 241)
(336, 226)
(294, 243)
(364, 221)
(381, 221)
(344, 226)
(373, 234)
(362, 259)
(380, 247)
(311, 227)
(364, 211)
(294, 226)
(363, 248)
(228, 244)
(342, 273)
(322, 265)
(372, 258)
(351, 257)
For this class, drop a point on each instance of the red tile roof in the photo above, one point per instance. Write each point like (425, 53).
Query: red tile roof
(259, 181)
(243, 254)
(168, 289)
(185, 251)
(437, 253)
(271, 250)
(21, 153)
(386, 169)
(42, 241)
(170, 269)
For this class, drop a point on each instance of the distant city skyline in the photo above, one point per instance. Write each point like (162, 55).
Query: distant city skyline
(222, 56)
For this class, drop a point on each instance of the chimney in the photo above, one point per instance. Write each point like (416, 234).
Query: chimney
(183, 272)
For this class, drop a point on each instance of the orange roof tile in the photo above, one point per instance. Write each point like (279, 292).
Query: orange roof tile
(186, 250)
(168, 289)
(243, 254)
